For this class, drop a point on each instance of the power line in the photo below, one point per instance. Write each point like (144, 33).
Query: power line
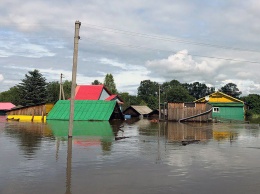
(166, 38)
(162, 50)
(131, 33)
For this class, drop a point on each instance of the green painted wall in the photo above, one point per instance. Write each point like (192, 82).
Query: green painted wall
(234, 111)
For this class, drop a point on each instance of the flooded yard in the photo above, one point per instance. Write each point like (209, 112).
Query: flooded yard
(132, 156)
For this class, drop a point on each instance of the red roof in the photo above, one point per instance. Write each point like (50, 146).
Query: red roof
(93, 92)
(6, 105)
(88, 92)
(112, 97)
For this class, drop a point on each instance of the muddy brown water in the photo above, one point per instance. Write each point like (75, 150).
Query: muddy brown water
(134, 156)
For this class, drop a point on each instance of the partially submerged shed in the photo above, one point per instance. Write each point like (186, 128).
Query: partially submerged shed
(5, 106)
(86, 110)
(36, 112)
(136, 111)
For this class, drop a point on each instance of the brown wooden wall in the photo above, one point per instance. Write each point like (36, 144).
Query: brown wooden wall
(177, 111)
(37, 110)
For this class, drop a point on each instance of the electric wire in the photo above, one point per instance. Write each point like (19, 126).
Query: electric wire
(91, 26)
(130, 33)
(163, 50)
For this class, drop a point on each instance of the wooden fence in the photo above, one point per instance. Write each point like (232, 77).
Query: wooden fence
(178, 111)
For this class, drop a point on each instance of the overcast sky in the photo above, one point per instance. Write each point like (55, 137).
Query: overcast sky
(214, 42)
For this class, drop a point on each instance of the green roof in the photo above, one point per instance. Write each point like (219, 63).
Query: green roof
(81, 128)
(85, 110)
(227, 104)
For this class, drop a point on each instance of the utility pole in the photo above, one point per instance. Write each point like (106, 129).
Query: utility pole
(74, 73)
(61, 88)
(159, 103)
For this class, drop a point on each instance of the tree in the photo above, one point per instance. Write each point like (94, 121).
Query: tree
(253, 103)
(178, 93)
(12, 95)
(174, 91)
(67, 89)
(129, 100)
(32, 89)
(198, 90)
(96, 82)
(53, 90)
(110, 84)
(148, 92)
(231, 90)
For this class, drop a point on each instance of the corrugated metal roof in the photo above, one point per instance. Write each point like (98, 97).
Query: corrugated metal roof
(85, 110)
(112, 97)
(88, 92)
(142, 109)
(6, 105)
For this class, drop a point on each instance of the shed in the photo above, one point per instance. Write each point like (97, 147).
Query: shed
(5, 106)
(225, 106)
(136, 111)
(86, 110)
(35, 112)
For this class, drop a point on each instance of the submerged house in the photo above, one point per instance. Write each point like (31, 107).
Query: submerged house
(138, 111)
(96, 92)
(5, 106)
(86, 110)
(224, 106)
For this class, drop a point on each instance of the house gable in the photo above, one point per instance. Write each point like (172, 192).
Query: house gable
(219, 97)
(104, 94)
(88, 92)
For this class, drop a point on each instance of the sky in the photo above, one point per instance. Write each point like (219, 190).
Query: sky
(213, 42)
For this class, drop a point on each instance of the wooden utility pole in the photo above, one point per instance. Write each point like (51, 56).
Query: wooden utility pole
(74, 73)
(61, 88)
(159, 102)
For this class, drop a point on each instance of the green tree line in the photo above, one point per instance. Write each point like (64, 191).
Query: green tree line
(34, 89)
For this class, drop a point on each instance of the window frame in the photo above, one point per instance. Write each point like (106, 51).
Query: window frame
(216, 109)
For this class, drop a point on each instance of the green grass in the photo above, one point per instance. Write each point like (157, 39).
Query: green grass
(255, 118)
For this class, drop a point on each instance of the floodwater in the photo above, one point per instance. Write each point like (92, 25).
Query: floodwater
(129, 157)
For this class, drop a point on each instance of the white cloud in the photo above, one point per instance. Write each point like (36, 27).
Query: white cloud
(31, 36)
(182, 64)
(1, 77)
(128, 76)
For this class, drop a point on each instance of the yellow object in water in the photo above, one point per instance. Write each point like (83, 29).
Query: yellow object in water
(27, 118)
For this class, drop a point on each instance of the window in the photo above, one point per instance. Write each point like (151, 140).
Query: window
(216, 109)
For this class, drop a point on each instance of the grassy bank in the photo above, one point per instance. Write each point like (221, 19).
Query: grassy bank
(255, 118)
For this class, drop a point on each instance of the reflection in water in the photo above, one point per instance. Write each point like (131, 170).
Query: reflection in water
(29, 135)
(152, 158)
(68, 169)
(85, 133)
(188, 131)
